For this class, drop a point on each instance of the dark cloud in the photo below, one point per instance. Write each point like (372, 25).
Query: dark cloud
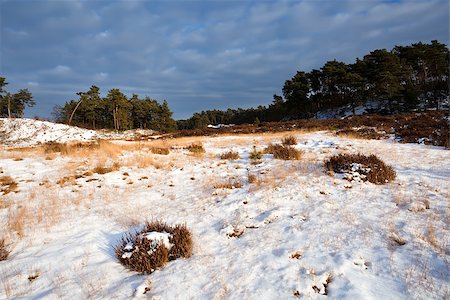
(196, 54)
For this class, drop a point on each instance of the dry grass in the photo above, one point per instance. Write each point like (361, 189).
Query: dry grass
(361, 133)
(231, 155)
(397, 239)
(146, 256)
(7, 185)
(196, 148)
(160, 150)
(4, 251)
(230, 184)
(289, 140)
(370, 167)
(252, 178)
(18, 219)
(283, 152)
(101, 169)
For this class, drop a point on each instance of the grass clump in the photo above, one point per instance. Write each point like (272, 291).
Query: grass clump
(365, 168)
(7, 185)
(289, 140)
(283, 152)
(160, 150)
(196, 148)
(231, 155)
(230, 184)
(4, 251)
(154, 246)
(100, 169)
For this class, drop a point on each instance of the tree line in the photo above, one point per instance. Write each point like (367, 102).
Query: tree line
(13, 105)
(404, 78)
(115, 111)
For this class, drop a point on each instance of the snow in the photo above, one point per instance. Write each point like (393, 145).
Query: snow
(158, 238)
(296, 228)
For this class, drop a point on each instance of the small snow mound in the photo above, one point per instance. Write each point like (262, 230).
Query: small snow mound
(158, 238)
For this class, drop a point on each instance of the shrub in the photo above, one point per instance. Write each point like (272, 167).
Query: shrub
(283, 152)
(289, 140)
(370, 168)
(7, 185)
(159, 150)
(230, 155)
(55, 147)
(4, 252)
(154, 246)
(196, 148)
(230, 184)
(255, 154)
(103, 170)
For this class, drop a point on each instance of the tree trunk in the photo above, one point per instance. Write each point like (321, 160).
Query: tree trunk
(9, 107)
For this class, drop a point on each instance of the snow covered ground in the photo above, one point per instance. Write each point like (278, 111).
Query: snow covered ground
(304, 233)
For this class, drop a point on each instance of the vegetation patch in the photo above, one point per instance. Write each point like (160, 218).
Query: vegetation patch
(160, 150)
(196, 148)
(7, 185)
(100, 169)
(255, 154)
(283, 152)
(4, 251)
(361, 168)
(361, 133)
(289, 140)
(231, 155)
(154, 246)
(230, 184)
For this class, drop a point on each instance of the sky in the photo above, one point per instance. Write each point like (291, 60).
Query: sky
(197, 55)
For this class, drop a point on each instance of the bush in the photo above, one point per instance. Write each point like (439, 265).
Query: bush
(230, 155)
(289, 140)
(154, 246)
(283, 152)
(4, 252)
(196, 148)
(370, 168)
(7, 185)
(158, 150)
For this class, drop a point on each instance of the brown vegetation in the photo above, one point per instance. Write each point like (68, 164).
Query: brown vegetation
(4, 251)
(283, 152)
(370, 167)
(7, 185)
(289, 140)
(144, 256)
(231, 155)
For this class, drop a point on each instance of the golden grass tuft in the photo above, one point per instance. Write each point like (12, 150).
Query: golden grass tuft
(4, 251)
(229, 184)
(283, 152)
(289, 140)
(231, 155)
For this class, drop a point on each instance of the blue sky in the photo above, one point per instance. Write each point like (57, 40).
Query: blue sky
(196, 54)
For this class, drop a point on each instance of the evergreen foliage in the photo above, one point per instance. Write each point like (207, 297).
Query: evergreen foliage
(13, 105)
(115, 111)
(405, 78)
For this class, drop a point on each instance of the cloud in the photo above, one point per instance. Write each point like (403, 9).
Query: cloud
(196, 54)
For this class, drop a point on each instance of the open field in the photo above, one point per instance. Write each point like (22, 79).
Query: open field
(262, 228)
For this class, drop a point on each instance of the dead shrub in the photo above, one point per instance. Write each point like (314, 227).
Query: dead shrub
(361, 133)
(230, 184)
(4, 251)
(231, 155)
(100, 169)
(283, 152)
(159, 150)
(154, 246)
(196, 148)
(358, 166)
(55, 147)
(7, 185)
(252, 178)
(289, 140)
